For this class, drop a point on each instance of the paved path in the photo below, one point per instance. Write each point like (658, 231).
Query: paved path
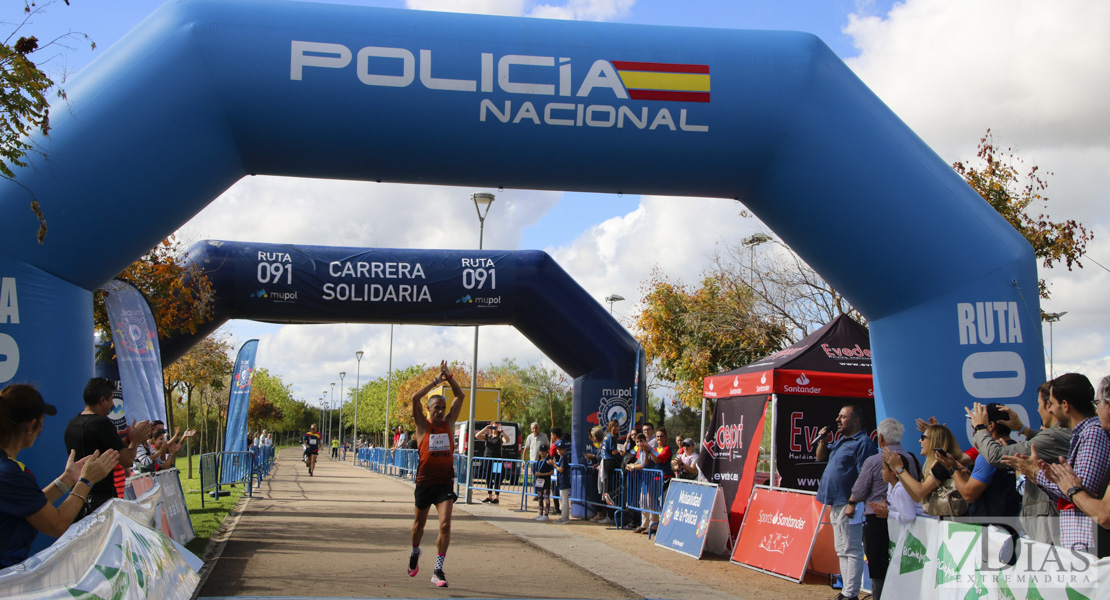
(345, 533)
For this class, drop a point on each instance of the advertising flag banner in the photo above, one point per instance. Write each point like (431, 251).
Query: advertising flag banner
(798, 419)
(778, 533)
(693, 519)
(238, 403)
(135, 338)
(730, 450)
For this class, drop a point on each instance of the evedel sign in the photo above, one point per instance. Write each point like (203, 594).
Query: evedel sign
(612, 80)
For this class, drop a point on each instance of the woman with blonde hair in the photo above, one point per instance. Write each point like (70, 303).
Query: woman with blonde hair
(936, 440)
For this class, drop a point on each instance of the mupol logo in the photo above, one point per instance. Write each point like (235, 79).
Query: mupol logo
(465, 300)
(531, 76)
(278, 297)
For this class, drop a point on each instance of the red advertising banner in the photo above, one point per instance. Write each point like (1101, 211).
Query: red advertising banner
(778, 533)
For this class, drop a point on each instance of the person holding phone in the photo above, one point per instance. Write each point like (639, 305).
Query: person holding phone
(494, 437)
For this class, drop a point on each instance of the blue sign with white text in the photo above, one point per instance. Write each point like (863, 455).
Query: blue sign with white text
(688, 514)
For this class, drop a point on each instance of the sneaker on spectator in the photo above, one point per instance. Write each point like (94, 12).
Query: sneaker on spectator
(561, 521)
(542, 518)
(536, 518)
(605, 521)
(556, 511)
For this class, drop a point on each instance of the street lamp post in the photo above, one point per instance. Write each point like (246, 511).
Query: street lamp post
(611, 298)
(342, 401)
(327, 424)
(1051, 318)
(482, 202)
(750, 243)
(336, 404)
(388, 387)
(358, 390)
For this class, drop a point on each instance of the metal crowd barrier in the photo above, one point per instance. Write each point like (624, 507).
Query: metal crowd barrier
(235, 468)
(632, 491)
(209, 475)
(263, 461)
(644, 491)
(498, 475)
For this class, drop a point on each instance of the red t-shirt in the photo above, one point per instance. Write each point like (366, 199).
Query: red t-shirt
(437, 456)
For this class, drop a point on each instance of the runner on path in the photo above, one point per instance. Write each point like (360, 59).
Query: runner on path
(436, 473)
(311, 448)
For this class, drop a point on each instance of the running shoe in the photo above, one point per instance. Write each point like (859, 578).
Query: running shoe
(605, 521)
(439, 578)
(542, 518)
(495, 501)
(414, 563)
(487, 500)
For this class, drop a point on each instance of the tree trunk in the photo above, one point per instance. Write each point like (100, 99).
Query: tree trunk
(189, 440)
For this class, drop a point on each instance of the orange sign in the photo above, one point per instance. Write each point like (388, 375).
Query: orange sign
(778, 532)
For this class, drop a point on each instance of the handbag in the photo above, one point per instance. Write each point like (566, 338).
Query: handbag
(945, 501)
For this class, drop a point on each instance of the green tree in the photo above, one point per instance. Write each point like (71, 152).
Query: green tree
(1018, 198)
(24, 89)
(270, 396)
(205, 368)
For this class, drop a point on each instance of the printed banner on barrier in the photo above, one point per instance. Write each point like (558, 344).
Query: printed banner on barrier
(112, 553)
(171, 513)
(798, 419)
(694, 519)
(730, 451)
(778, 532)
(135, 338)
(945, 559)
(238, 403)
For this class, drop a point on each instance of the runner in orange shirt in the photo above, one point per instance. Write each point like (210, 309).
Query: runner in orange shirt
(435, 476)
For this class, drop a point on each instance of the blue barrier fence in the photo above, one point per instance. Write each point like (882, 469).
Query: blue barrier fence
(263, 461)
(638, 491)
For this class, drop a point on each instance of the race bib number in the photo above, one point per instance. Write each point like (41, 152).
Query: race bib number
(313, 441)
(439, 442)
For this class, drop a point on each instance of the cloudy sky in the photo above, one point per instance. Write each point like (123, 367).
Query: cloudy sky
(1036, 73)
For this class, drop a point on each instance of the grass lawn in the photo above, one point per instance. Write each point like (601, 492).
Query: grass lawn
(208, 519)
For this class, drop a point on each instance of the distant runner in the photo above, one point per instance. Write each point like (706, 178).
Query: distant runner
(311, 448)
(435, 475)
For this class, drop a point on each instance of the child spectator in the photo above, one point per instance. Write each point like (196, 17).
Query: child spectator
(562, 466)
(543, 468)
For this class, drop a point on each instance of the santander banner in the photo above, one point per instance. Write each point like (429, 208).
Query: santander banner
(778, 532)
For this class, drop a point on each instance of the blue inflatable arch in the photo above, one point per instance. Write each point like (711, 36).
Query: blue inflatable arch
(206, 92)
(285, 283)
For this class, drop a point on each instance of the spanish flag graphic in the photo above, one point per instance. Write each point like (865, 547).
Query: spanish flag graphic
(664, 81)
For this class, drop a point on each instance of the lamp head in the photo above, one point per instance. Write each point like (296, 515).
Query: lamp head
(755, 239)
(342, 374)
(614, 298)
(358, 355)
(482, 202)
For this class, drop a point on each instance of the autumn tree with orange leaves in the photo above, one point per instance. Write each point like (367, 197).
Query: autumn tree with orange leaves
(692, 333)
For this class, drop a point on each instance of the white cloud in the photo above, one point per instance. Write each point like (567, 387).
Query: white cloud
(1035, 73)
(511, 8)
(582, 10)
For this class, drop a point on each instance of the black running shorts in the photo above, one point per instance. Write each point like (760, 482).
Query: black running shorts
(427, 495)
